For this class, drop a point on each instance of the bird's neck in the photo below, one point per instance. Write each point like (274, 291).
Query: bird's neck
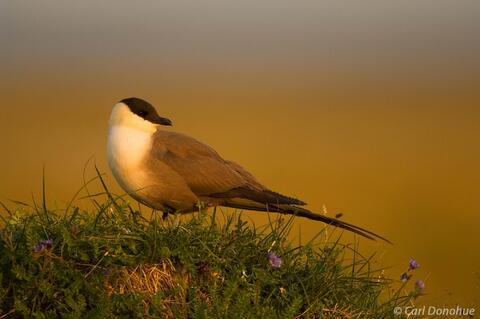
(128, 147)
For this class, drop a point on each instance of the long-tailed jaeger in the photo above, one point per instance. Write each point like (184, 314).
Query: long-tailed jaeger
(174, 173)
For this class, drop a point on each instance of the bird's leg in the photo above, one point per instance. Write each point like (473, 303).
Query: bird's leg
(176, 220)
(167, 210)
(170, 210)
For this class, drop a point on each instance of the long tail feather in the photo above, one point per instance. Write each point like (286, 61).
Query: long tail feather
(302, 212)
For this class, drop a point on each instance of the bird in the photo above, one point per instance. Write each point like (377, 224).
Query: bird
(177, 174)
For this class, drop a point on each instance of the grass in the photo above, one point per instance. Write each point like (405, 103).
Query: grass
(115, 263)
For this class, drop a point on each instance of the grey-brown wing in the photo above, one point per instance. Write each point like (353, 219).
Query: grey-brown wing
(252, 180)
(256, 191)
(208, 174)
(202, 167)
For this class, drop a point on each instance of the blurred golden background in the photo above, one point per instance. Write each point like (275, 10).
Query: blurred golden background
(371, 108)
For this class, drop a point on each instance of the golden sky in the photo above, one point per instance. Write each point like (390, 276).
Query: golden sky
(368, 107)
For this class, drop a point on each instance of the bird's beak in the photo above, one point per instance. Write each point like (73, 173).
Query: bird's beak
(162, 121)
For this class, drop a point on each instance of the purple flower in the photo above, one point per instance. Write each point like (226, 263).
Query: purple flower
(404, 277)
(413, 264)
(42, 245)
(274, 260)
(419, 285)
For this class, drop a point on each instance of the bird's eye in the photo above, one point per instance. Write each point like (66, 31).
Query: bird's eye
(143, 113)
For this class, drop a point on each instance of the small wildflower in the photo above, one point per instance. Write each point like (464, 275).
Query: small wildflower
(274, 260)
(38, 248)
(282, 290)
(413, 264)
(404, 277)
(42, 245)
(419, 285)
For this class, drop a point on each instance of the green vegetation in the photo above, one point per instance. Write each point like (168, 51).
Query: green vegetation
(116, 263)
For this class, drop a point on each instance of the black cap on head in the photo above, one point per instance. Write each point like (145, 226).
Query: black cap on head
(145, 110)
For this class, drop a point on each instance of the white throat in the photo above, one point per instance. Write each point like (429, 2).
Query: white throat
(129, 142)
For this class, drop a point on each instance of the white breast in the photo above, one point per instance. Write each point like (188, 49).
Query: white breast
(127, 149)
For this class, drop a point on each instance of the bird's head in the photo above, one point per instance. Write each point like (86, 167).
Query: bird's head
(137, 113)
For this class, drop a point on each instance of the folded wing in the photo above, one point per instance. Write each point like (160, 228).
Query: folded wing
(208, 174)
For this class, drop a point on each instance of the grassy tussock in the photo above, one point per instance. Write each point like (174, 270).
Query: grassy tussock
(115, 263)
